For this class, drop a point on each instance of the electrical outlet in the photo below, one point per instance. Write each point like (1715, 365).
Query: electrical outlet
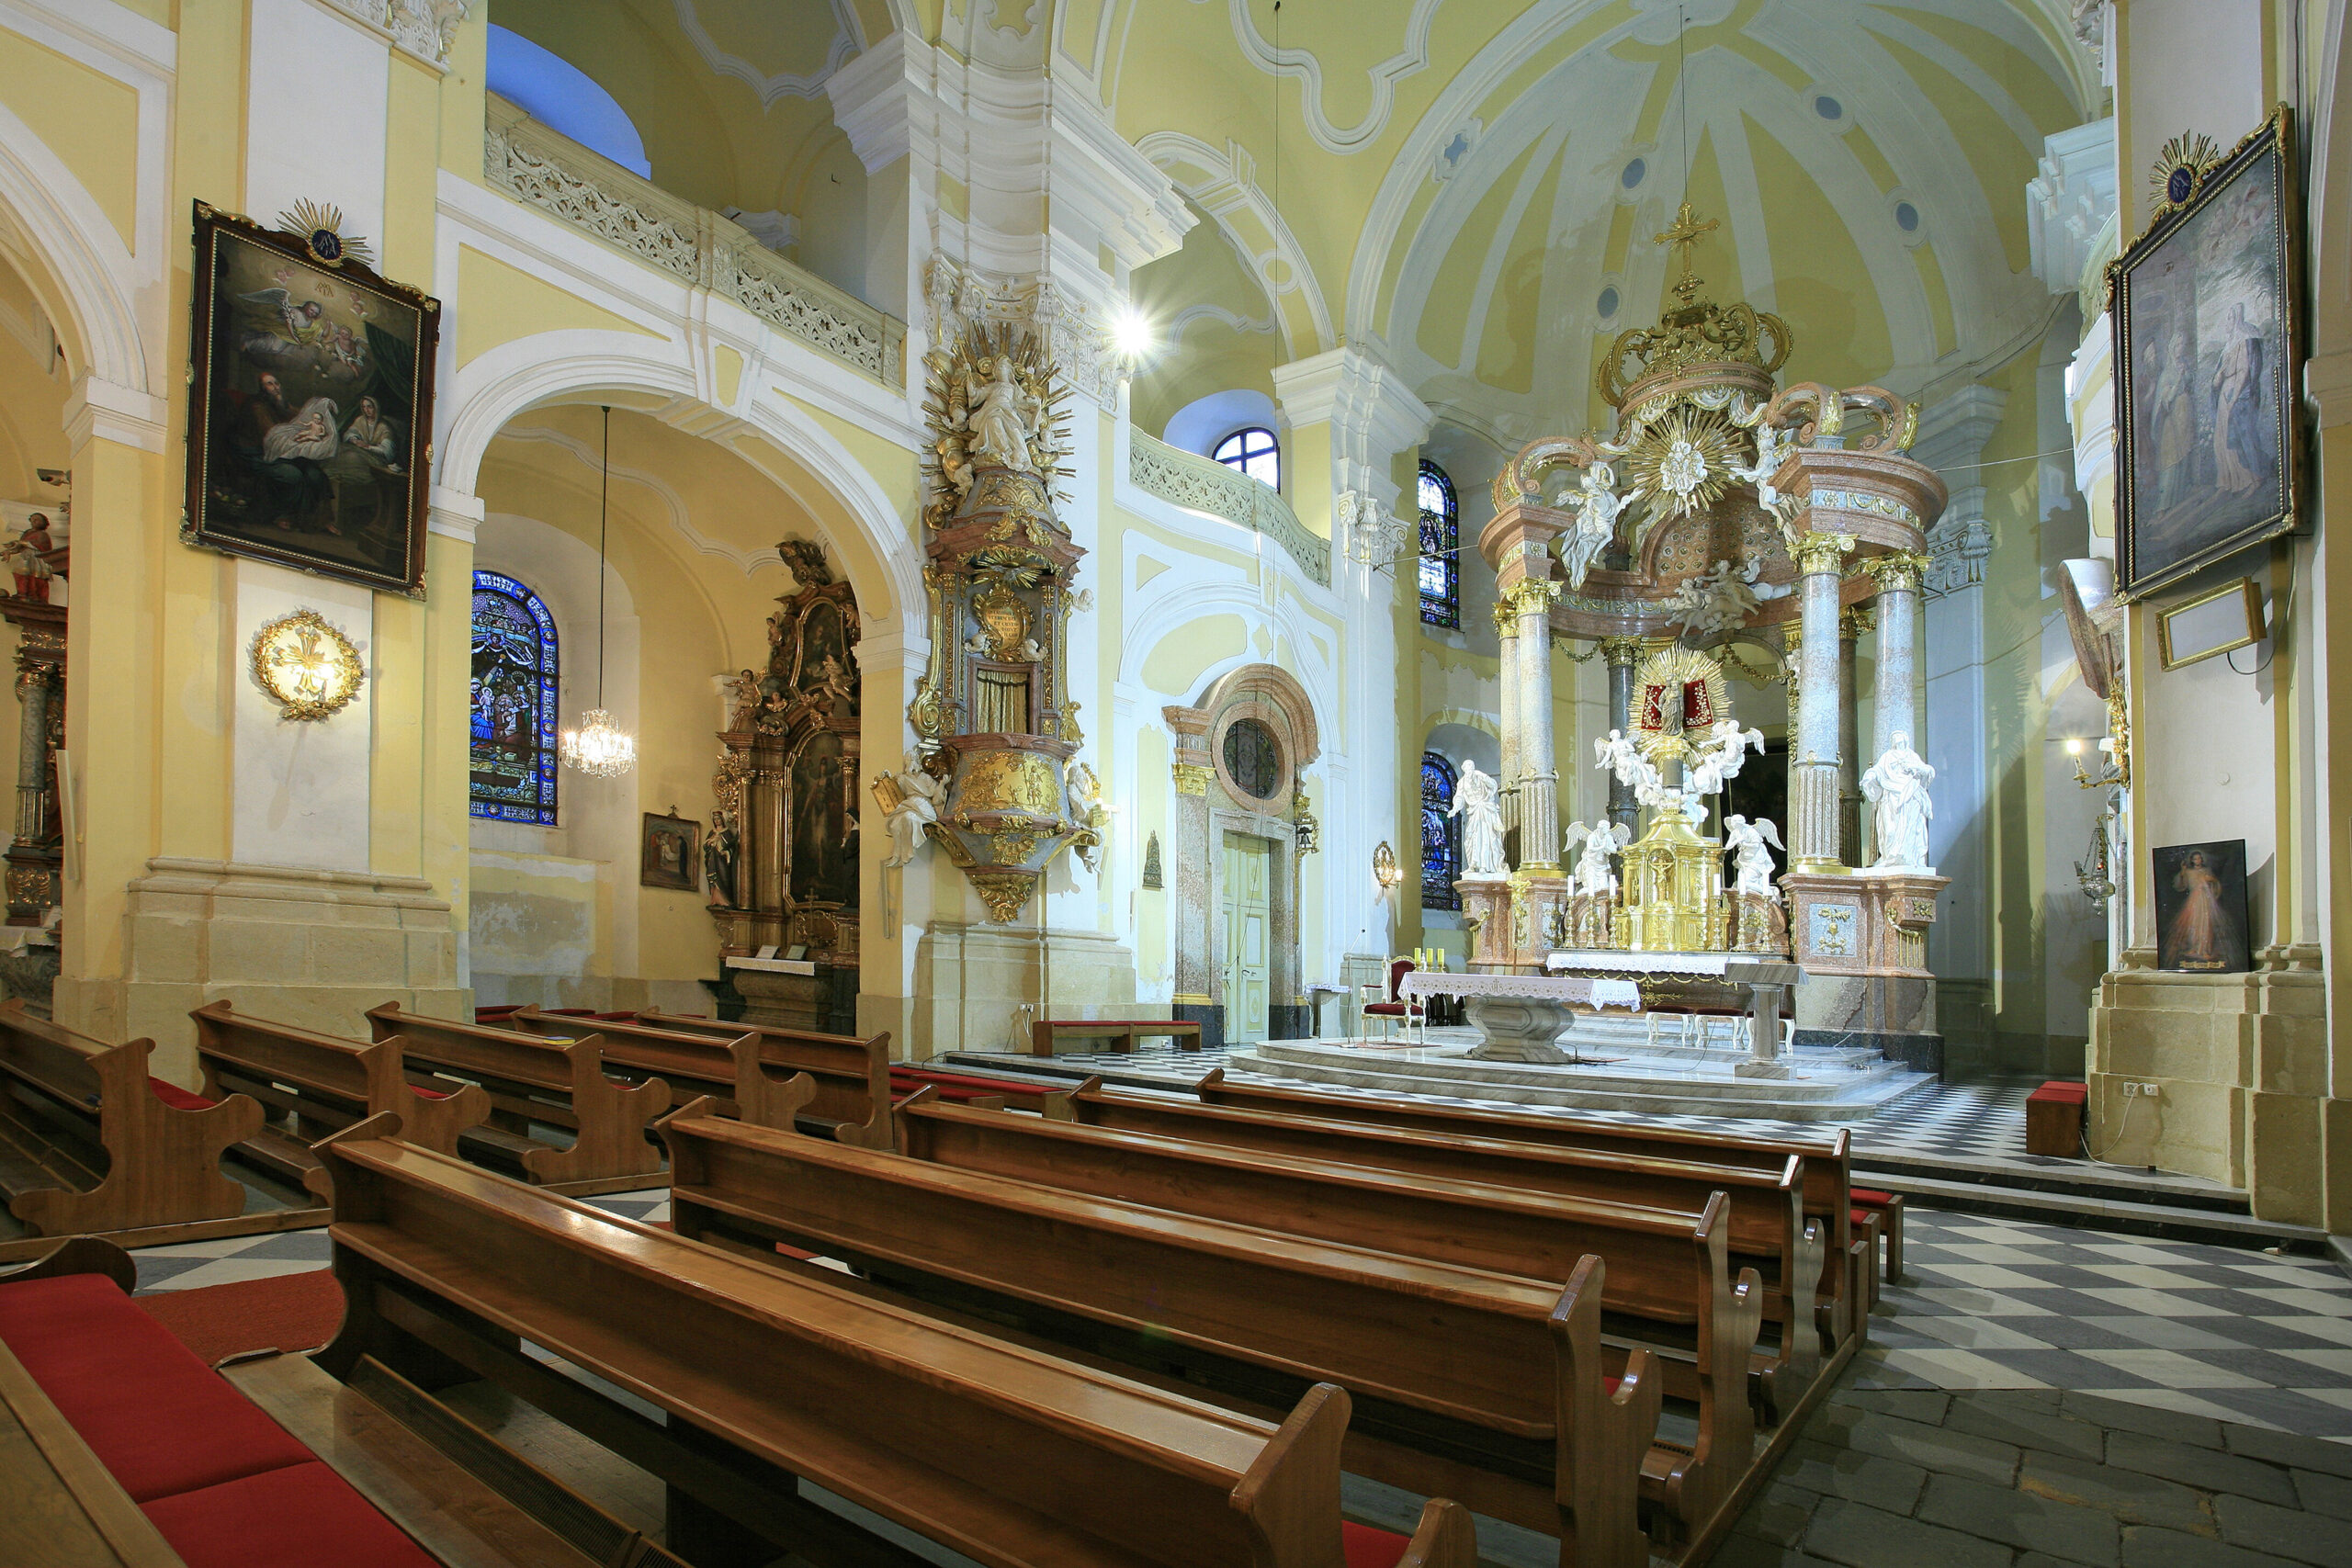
(2151, 1091)
(2131, 1089)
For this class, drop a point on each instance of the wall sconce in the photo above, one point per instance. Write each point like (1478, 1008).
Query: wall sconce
(1384, 869)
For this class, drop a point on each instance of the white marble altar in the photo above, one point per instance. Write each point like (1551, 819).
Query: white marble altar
(1518, 1017)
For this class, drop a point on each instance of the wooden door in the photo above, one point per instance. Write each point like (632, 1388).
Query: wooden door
(1248, 934)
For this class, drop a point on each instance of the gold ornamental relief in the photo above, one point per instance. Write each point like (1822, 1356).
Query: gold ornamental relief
(307, 666)
(1004, 620)
(1004, 892)
(1011, 781)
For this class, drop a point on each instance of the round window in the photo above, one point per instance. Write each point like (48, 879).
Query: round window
(1253, 757)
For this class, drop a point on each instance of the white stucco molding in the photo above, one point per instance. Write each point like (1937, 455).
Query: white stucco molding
(108, 411)
(1371, 412)
(454, 514)
(2327, 382)
(877, 97)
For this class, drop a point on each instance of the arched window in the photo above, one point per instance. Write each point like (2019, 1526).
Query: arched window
(513, 703)
(564, 98)
(1440, 549)
(1255, 453)
(1441, 835)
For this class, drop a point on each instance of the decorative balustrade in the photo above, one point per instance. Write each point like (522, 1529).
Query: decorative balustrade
(545, 170)
(1198, 484)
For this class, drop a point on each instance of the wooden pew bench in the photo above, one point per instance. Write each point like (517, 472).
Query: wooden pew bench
(547, 1083)
(1484, 1387)
(1668, 1287)
(163, 1459)
(1008, 1455)
(1829, 1190)
(1122, 1033)
(310, 1085)
(1021, 1094)
(696, 1057)
(1769, 1231)
(90, 1143)
(851, 1073)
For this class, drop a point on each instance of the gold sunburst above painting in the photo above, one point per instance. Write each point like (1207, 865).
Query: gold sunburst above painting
(1681, 464)
(320, 228)
(2180, 169)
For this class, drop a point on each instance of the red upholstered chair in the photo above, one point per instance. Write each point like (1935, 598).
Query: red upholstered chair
(1395, 1008)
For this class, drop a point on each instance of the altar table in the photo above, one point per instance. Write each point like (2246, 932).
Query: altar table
(1518, 1017)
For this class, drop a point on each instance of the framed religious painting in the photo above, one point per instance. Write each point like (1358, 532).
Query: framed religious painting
(2201, 908)
(2208, 347)
(669, 855)
(310, 402)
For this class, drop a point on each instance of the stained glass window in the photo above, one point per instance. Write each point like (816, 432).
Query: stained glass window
(515, 671)
(1255, 452)
(1441, 550)
(1253, 757)
(1441, 835)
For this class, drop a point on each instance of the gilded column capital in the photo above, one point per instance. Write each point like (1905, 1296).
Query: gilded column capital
(1899, 572)
(1622, 652)
(1819, 552)
(1852, 623)
(1191, 778)
(1506, 618)
(1533, 596)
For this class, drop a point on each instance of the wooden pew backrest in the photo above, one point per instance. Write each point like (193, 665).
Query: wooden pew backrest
(348, 1078)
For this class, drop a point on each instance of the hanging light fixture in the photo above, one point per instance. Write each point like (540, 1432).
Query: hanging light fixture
(600, 748)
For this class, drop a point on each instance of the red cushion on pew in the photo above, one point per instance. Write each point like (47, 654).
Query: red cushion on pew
(1610, 1385)
(958, 1080)
(1369, 1548)
(424, 1093)
(158, 1418)
(1862, 1216)
(179, 1099)
(1871, 1196)
(296, 1517)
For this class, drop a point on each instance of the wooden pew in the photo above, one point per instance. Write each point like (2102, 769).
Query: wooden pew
(312, 1085)
(726, 1062)
(1829, 1161)
(851, 1074)
(555, 1083)
(1481, 1357)
(90, 1145)
(1703, 1323)
(998, 1452)
(1768, 1229)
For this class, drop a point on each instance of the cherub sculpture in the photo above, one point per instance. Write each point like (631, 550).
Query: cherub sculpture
(1602, 840)
(1744, 843)
(1596, 503)
(1719, 756)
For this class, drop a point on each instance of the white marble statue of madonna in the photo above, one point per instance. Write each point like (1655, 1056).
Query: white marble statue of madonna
(1477, 801)
(1896, 787)
(1001, 419)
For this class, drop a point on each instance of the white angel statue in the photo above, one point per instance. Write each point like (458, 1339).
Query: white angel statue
(1602, 840)
(1772, 448)
(1744, 841)
(919, 798)
(1596, 503)
(1622, 756)
(1716, 601)
(1720, 755)
(1002, 417)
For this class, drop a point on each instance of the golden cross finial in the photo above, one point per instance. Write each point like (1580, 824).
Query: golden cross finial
(1683, 235)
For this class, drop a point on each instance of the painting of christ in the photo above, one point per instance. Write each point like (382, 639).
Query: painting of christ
(2201, 908)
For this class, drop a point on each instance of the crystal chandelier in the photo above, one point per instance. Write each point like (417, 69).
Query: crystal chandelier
(600, 748)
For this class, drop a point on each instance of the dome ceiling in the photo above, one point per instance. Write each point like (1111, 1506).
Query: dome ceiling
(1472, 186)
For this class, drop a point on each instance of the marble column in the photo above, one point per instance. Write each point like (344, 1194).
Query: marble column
(1621, 654)
(1851, 624)
(1814, 757)
(1898, 577)
(1507, 637)
(1538, 804)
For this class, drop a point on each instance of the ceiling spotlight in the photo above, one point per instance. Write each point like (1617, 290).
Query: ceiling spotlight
(1131, 333)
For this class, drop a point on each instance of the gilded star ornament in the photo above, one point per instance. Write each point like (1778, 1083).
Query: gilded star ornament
(306, 665)
(1682, 463)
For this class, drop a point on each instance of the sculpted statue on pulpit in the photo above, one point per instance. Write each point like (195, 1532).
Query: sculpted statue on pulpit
(1896, 787)
(1477, 801)
(1002, 418)
(919, 797)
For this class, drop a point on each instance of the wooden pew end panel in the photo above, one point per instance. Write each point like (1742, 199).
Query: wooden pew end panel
(764, 1099)
(1444, 1537)
(1286, 1493)
(78, 1254)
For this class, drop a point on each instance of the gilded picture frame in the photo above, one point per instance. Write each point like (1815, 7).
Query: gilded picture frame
(670, 853)
(310, 383)
(2211, 625)
(2205, 308)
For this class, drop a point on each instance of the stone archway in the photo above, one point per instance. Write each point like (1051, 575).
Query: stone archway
(1240, 828)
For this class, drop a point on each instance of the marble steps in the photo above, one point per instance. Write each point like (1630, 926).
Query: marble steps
(1721, 1042)
(1840, 1097)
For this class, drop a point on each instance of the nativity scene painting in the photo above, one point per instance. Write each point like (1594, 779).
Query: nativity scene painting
(313, 392)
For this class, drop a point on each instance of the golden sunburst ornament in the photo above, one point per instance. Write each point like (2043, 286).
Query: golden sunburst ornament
(1681, 463)
(307, 667)
(2182, 165)
(320, 228)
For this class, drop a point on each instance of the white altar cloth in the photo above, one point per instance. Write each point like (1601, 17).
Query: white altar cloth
(1566, 990)
(775, 965)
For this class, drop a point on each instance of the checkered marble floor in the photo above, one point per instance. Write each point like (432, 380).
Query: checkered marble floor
(1983, 1119)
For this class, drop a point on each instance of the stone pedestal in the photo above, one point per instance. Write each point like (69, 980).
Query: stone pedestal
(1517, 1029)
(1486, 909)
(824, 1002)
(1861, 939)
(1539, 909)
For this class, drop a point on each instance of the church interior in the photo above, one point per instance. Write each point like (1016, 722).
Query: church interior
(1572, 758)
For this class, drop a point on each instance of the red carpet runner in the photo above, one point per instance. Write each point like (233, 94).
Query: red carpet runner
(288, 1312)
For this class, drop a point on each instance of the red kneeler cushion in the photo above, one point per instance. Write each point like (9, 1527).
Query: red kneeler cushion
(179, 1099)
(2060, 1091)
(1871, 1196)
(1369, 1548)
(299, 1517)
(162, 1421)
